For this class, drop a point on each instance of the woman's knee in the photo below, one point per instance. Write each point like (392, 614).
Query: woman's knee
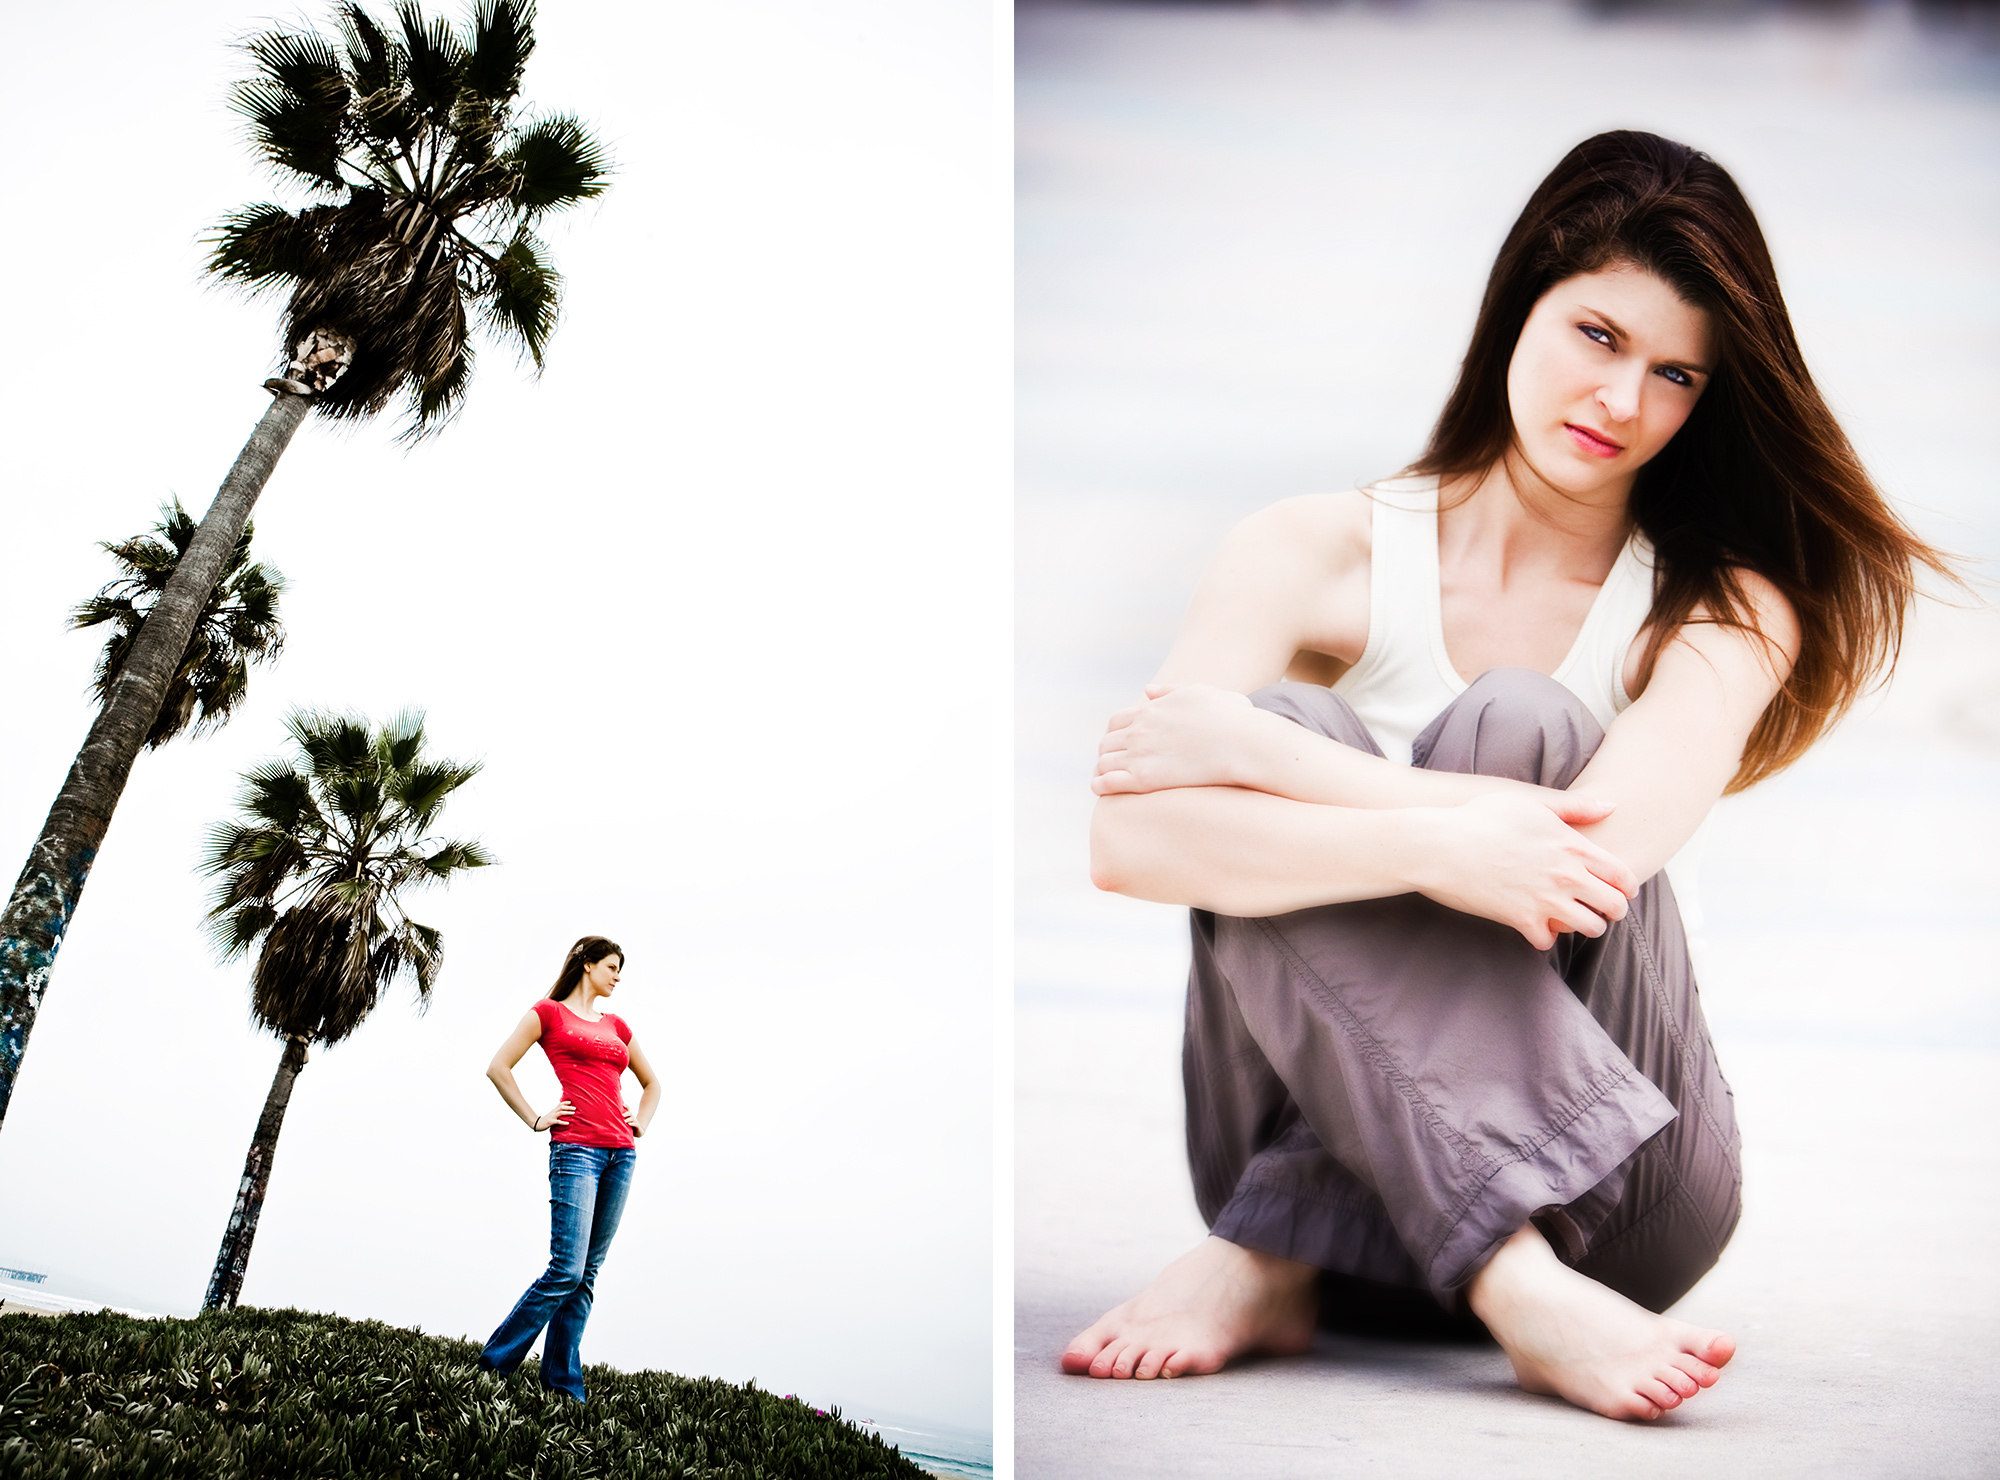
(1318, 709)
(1512, 722)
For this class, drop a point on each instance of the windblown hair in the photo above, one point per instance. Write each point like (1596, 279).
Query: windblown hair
(585, 954)
(1759, 478)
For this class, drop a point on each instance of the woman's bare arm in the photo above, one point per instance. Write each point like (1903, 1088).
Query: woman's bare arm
(1290, 578)
(526, 1034)
(1661, 767)
(1231, 808)
(1507, 858)
(1666, 759)
(649, 1089)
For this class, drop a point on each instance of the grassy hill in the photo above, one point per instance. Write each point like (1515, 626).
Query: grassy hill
(278, 1394)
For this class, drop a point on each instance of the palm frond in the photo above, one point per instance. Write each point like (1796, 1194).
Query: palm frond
(440, 327)
(234, 932)
(336, 745)
(303, 982)
(278, 796)
(451, 857)
(557, 163)
(426, 947)
(355, 796)
(503, 36)
(298, 106)
(423, 788)
(401, 743)
(416, 949)
(378, 66)
(525, 297)
(263, 246)
(237, 625)
(434, 57)
(102, 608)
(440, 398)
(326, 958)
(408, 128)
(304, 63)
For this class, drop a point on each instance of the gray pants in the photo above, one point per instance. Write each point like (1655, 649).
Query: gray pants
(1388, 1089)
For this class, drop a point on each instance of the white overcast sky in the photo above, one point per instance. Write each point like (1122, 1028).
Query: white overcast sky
(721, 602)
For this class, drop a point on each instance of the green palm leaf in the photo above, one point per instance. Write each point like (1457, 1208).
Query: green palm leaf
(312, 873)
(236, 627)
(558, 164)
(434, 58)
(297, 106)
(407, 132)
(503, 36)
(525, 295)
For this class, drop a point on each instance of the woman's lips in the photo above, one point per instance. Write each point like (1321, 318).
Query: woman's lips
(1590, 442)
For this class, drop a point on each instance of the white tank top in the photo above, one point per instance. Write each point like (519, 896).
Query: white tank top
(1404, 678)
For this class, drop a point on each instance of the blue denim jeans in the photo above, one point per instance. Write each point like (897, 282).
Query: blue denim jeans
(587, 1186)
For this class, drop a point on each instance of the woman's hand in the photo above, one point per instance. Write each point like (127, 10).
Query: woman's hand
(1181, 735)
(632, 1120)
(1517, 858)
(548, 1120)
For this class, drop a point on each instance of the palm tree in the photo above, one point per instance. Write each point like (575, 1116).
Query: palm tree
(316, 870)
(425, 188)
(238, 625)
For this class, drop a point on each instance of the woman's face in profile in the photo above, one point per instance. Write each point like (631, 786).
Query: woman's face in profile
(1608, 366)
(603, 975)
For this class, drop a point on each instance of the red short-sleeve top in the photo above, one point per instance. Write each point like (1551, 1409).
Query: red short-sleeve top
(589, 1060)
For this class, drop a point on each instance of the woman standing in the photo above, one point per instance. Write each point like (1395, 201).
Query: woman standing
(590, 1155)
(1442, 1028)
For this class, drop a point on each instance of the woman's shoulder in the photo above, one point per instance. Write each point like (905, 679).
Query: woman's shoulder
(1318, 530)
(1772, 620)
(619, 1026)
(547, 1009)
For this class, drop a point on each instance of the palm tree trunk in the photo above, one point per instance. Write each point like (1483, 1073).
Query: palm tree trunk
(43, 902)
(227, 1282)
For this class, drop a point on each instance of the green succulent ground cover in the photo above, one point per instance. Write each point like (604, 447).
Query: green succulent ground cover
(278, 1394)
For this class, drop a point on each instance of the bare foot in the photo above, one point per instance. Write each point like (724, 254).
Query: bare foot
(1568, 1335)
(1217, 1301)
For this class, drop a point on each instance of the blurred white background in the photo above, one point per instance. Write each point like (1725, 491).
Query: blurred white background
(710, 601)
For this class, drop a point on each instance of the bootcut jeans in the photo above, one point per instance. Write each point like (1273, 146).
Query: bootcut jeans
(1390, 1088)
(587, 1187)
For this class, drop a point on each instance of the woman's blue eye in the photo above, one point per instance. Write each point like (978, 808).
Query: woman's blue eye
(1600, 335)
(1677, 376)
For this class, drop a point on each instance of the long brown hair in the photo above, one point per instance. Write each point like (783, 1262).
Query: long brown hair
(585, 954)
(1760, 477)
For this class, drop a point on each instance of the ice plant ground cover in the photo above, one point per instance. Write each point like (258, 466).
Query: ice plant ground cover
(280, 1393)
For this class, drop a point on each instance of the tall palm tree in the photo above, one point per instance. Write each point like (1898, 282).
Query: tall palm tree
(238, 625)
(315, 869)
(426, 182)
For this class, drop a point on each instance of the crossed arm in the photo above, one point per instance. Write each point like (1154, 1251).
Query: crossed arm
(1207, 801)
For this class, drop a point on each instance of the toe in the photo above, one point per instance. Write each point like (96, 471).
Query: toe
(1717, 1349)
(1636, 1403)
(1151, 1362)
(1191, 1363)
(1100, 1365)
(1701, 1372)
(1657, 1393)
(1683, 1385)
(1128, 1354)
(1078, 1356)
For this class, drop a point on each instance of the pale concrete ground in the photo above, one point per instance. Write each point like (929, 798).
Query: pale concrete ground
(1251, 244)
